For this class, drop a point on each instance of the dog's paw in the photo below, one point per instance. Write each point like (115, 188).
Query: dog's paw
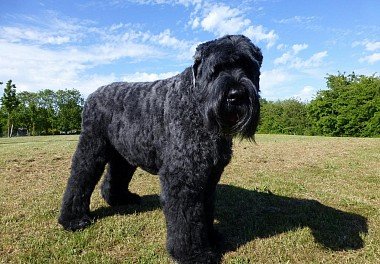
(206, 257)
(76, 224)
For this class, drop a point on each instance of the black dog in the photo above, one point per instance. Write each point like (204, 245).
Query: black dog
(180, 128)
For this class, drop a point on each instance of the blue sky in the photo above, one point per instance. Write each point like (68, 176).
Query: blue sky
(85, 44)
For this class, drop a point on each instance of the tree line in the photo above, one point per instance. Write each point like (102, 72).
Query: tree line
(350, 106)
(45, 112)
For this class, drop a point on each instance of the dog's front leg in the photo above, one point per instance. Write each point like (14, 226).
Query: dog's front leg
(183, 197)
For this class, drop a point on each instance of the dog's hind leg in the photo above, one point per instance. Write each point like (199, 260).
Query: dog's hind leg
(88, 164)
(115, 184)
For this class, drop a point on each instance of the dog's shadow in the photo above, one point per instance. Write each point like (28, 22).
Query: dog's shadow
(243, 215)
(148, 203)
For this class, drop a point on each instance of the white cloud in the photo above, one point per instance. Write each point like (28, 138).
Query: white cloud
(259, 33)
(159, 2)
(274, 83)
(291, 59)
(189, 2)
(222, 19)
(43, 69)
(290, 55)
(368, 45)
(314, 61)
(306, 93)
(34, 68)
(272, 79)
(283, 59)
(35, 64)
(371, 59)
(147, 77)
(166, 39)
(90, 83)
(49, 30)
(108, 52)
(297, 20)
(15, 34)
(299, 47)
(281, 46)
(217, 18)
(195, 23)
(372, 46)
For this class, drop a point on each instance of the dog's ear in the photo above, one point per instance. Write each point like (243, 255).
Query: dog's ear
(256, 52)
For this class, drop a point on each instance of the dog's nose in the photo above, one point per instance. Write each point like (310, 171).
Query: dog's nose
(235, 96)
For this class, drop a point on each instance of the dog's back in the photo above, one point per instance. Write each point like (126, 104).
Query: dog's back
(132, 114)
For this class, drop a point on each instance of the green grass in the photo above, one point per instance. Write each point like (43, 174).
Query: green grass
(286, 199)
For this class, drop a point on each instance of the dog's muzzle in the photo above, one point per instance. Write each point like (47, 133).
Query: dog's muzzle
(233, 107)
(236, 103)
(236, 96)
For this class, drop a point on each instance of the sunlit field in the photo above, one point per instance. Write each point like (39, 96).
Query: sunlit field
(285, 199)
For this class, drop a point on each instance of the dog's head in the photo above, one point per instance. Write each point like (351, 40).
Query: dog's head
(226, 74)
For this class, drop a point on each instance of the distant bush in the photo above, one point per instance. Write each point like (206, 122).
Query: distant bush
(349, 107)
(284, 117)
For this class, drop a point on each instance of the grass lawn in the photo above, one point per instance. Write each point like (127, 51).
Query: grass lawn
(286, 199)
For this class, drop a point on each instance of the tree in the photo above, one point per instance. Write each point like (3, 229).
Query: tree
(3, 119)
(270, 117)
(284, 117)
(70, 106)
(10, 103)
(349, 107)
(27, 114)
(48, 112)
(47, 101)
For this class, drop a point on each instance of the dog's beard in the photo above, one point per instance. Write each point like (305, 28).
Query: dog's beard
(233, 119)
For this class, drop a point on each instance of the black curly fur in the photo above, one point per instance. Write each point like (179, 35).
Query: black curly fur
(180, 128)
